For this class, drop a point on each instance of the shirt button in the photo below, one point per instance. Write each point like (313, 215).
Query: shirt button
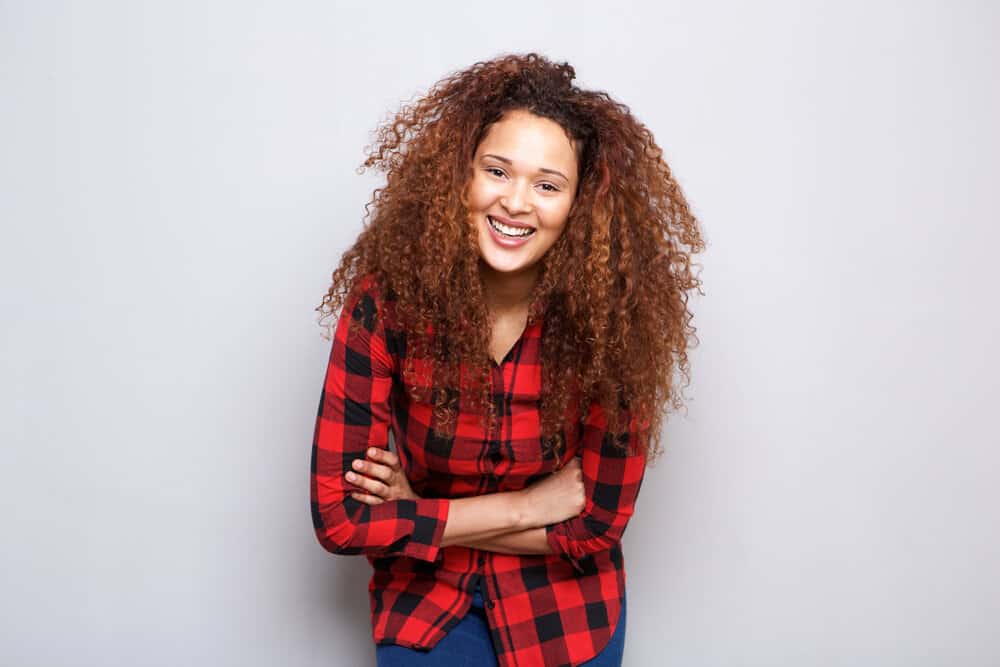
(496, 457)
(482, 560)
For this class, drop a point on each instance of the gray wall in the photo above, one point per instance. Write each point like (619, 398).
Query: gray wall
(177, 180)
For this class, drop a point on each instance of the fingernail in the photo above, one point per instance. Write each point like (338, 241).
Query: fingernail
(372, 452)
(351, 476)
(357, 464)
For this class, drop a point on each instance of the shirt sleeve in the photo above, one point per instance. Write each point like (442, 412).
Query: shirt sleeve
(354, 414)
(611, 478)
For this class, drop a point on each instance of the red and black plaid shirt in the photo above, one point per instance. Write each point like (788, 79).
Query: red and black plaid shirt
(547, 609)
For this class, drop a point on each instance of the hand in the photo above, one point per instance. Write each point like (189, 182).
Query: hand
(381, 478)
(557, 497)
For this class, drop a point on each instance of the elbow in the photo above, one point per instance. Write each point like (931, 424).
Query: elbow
(598, 536)
(583, 536)
(334, 529)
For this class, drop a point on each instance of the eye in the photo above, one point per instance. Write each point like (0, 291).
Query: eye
(495, 171)
(549, 187)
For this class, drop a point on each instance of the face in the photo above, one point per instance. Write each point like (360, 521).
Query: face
(522, 188)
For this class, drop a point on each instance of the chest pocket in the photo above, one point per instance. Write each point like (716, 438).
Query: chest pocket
(529, 447)
(530, 456)
(524, 437)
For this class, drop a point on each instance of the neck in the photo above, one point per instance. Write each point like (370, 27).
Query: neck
(508, 291)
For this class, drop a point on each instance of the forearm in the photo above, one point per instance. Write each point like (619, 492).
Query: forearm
(528, 541)
(486, 516)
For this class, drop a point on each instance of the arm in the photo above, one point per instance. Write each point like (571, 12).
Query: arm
(611, 488)
(612, 478)
(354, 415)
(529, 541)
(487, 516)
(553, 498)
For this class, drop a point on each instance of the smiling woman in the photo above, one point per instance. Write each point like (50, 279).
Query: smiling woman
(514, 313)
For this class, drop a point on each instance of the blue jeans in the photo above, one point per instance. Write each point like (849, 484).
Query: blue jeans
(468, 645)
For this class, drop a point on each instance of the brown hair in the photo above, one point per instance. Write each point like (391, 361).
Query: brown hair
(613, 289)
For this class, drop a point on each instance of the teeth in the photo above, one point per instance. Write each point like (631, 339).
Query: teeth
(507, 230)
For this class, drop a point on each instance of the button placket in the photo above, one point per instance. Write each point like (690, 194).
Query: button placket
(487, 600)
(496, 406)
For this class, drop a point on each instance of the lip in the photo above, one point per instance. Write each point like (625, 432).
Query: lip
(506, 241)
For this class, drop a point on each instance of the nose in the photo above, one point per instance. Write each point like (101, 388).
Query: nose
(516, 200)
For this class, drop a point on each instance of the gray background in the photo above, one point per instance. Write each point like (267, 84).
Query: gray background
(178, 181)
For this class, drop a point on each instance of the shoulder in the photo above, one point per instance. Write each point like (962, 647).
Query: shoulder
(365, 286)
(370, 305)
(368, 300)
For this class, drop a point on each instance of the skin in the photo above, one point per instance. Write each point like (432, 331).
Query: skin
(511, 178)
(524, 170)
(552, 499)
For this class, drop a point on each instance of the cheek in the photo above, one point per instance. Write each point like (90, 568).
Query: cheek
(557, 218)
(480, 194)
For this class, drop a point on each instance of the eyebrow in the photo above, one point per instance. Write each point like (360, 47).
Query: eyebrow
(541, 169)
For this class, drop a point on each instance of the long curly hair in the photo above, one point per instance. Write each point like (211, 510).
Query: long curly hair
(612, 291)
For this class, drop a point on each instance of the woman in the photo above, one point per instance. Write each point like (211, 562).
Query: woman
(513, 312)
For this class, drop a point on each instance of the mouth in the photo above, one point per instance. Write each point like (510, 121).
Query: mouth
(509, 229)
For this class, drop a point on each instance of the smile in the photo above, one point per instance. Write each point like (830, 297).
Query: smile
(508, 230)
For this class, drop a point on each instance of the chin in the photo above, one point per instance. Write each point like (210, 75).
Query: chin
(503, 266)
(501, 260)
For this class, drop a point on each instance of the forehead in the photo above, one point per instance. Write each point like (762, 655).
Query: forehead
(531, 140)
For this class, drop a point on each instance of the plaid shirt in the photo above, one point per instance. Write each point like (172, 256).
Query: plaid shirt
(545, 609)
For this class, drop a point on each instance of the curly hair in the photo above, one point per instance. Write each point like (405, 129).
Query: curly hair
(612, 290)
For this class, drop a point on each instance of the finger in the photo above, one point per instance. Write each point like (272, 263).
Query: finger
(383, 456)
(374, 470)
(366, 498)
(370, 485)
